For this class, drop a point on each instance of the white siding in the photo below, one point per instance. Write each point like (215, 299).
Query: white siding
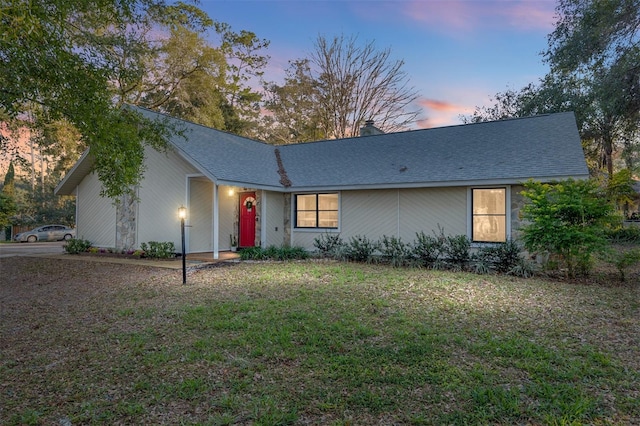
(200, 216)
(228, 212)
(162, 192)
(96, 215)
(394, 212)
(274, 222)
(370, 213)
(427, 209)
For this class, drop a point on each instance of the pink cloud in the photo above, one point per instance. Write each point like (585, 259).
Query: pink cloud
(462, 16)
(440, 113)
(531, 15)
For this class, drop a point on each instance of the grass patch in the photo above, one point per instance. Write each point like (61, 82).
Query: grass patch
(316, 342)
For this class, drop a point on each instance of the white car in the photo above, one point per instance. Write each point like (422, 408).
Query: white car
(46, 233)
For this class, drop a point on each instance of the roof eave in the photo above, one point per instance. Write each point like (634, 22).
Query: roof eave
(437, 184)
(74, 176)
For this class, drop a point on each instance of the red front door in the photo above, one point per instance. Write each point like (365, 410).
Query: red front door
(247, 219)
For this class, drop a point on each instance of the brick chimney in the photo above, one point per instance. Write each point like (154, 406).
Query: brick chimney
(369, 129)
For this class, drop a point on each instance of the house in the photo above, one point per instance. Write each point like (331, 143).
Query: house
(465, 179)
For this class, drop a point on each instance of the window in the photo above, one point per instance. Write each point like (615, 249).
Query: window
(316, 210)
(489, 217)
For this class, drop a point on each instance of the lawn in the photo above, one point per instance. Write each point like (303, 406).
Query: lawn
(312, 343)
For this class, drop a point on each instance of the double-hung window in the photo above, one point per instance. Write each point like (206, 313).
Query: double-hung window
(489, 215)
(316, 210)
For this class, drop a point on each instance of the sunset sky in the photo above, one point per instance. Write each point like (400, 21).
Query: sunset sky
(457, 53)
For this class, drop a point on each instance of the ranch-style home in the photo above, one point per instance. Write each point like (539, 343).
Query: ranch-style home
(464, 179)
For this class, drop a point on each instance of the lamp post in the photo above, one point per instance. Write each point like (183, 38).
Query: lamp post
(182, 213)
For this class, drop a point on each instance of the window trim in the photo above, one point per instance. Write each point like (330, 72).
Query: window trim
(507, 214)
(317, 211)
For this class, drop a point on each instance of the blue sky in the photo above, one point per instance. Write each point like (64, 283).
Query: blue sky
(457, 53)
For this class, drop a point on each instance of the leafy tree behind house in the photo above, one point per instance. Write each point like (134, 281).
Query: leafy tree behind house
(594, 58)
(50, 63)
(568, 220)
(79, 61)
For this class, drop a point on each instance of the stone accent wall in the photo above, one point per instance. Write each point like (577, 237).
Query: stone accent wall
(517, 203)
(126, 230)
(286, 238)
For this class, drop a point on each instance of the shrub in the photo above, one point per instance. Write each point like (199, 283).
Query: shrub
(75, 246)
(159, 250)
(620, 234)
(523, 268)
(394, 251)
(428, 249)
(457, 251)
(328, 245)
(293, 253)
(273, 253)
(482, 266)
(361, 249)
(251, 253)
(568, 219)
(622, 260)
(502, 256)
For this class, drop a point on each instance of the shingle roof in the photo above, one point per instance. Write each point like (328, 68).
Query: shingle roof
(545, 147)
(223, 156)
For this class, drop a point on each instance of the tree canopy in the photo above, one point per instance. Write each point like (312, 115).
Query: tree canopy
(51, 64)
(78, 62)
(594, 55)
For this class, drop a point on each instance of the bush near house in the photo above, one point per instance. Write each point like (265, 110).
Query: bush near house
(439, 251)
(159, 250)
(150, 250)
(567, 219)
(273, 253)
(76, 245)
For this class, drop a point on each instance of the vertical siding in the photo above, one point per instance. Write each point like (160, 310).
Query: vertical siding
(201, 213)
(402, 213)
(162, 192)
(96, 215)
(370, 213)
(274, 221)
(227, 210)
(426, 209)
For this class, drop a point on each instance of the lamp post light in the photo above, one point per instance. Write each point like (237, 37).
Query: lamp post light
(182, 213)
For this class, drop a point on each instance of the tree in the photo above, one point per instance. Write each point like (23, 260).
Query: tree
(241, 108)
(594, 52)
(294, 106)
(566, 219)
(341, 85)
(163, 62)
(599, 41)
(620, 190)
(8, 186)
(8, 206)
(48, 59)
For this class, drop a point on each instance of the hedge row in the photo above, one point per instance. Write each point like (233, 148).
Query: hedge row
(438, 251)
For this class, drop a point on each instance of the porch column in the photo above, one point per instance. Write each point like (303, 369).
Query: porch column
(216, 222)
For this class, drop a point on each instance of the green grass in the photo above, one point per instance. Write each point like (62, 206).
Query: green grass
(331, 343)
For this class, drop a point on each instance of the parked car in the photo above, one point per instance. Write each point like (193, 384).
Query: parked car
(46, 233)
